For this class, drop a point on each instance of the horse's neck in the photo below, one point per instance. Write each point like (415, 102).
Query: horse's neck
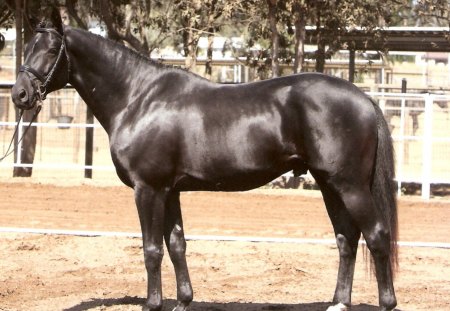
(102, 74)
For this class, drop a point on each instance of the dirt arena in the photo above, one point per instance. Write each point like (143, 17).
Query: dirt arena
(57, 272)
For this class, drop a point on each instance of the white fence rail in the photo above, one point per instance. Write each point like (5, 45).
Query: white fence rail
(419, 123)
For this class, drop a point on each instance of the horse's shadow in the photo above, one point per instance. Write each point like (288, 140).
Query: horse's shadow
(169, 304)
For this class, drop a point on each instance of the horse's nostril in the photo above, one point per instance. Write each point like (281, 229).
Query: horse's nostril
(23, 95)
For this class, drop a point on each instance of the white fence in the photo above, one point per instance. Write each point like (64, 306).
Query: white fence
(420, 127)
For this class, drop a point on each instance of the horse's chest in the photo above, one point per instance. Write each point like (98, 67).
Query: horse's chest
(144, 151)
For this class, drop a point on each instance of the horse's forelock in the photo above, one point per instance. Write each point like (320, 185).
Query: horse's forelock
(45, 24)
(42, 24)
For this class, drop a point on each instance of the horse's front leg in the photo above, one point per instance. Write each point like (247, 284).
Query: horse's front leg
(150, 203)
(176, 245)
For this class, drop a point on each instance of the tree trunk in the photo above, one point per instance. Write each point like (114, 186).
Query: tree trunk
(19, 26)
(300, 35)
(24, 32)
(29, 140)
(320, 56)
(209, 54)
(275, 38)
(190, 49)
(211, 31)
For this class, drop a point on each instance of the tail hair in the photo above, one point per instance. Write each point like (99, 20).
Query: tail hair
(383, 186)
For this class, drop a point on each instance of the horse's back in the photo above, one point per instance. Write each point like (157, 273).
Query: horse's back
(273, 126)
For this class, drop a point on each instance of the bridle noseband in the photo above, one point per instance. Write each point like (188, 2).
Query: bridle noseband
(46, 79)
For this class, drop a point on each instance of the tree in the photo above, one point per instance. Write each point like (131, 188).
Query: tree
(142, 24)
(198, 18)
(6, 20)
(279, 27)
(334, 18)
(146, 25)
(431, 12)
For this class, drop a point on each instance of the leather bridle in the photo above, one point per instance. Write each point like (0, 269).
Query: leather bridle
(41, 89)
(45, 80)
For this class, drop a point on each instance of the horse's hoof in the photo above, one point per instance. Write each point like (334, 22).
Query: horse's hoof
(338, 307)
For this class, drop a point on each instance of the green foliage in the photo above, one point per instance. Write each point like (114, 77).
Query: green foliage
(431, 12)
(149, 24)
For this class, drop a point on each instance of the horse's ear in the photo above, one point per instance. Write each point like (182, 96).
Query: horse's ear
(55, 18)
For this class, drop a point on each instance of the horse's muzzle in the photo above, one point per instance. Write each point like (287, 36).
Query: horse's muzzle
(23, 96)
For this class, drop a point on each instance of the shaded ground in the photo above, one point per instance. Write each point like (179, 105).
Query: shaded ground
(42, 272)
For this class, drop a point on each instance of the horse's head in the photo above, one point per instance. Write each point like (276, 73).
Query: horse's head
(46, 64)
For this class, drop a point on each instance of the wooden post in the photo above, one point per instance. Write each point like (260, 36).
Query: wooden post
(89, 146)
(404, 83)
(351, 67)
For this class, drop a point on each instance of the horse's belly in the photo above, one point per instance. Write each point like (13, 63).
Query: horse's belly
(237, 176)
(238, 182)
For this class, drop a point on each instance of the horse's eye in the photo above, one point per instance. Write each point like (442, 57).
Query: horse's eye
(53, 51)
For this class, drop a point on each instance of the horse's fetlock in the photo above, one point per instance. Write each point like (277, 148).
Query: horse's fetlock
(388, 301)
(185, 293)
(152, 307)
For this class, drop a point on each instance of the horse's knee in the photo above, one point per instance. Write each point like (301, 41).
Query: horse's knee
(346, 249)
(153, 255)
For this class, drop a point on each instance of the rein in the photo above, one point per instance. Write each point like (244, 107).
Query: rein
(41, 88)
(36, 112)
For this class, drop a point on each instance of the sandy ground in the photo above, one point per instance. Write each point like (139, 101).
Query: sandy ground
(56, 272)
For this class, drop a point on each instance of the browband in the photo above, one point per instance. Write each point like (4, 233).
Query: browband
(49, 30)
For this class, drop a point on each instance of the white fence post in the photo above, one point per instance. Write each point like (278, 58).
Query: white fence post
(401, 153)
(427, 146)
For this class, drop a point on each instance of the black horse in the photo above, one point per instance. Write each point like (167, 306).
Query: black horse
(171, 131)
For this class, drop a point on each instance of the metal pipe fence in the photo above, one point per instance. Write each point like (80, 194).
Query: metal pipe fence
(419, 124)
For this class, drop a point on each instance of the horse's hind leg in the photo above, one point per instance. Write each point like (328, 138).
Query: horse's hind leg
(176, 245)
(347, 237)
(358, 201)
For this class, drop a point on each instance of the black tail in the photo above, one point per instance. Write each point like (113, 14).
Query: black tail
(383, 185)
